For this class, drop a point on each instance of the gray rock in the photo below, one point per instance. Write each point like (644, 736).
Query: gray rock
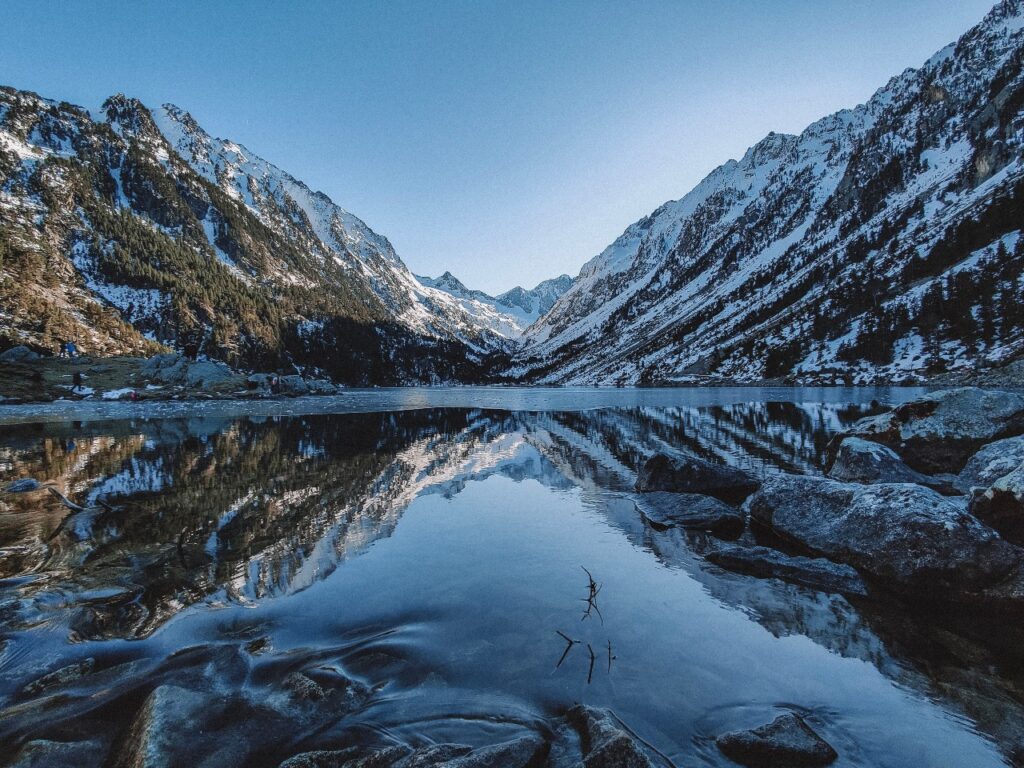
(168, 368)
(863, 461)
(765, 563)
(43, 753)
(689, 474)
(61, 676)
(690, 510)
(941, 431)
(352, 757)
(786, 742)
(24, 485)
(321, 387)
(604, 741)
(433, 756)
(992, 462)
(908, 537)
(517, 753)
(1001, 505)
(19, 354)
(294, 385)
(207, 374)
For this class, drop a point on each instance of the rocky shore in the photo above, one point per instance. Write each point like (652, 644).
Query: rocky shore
(26, 377)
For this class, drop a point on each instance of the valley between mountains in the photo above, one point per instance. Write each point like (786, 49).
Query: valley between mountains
(881, 244)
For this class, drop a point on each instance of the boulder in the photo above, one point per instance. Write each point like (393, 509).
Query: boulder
(992, 462)
(351, 757)
(766, 563)
(863, 461)
(690, 510)
(908, 537)
(517, 753)
(786, 742)
(940, 432)
(294, 385)
(605, 742)
(19, 354)
(60, 677)
(1001, 505)
(168, 368)
(321, 387)
(207, 374)
(24, 485)
(690, 474)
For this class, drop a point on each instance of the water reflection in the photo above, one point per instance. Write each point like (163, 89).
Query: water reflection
(234, 511)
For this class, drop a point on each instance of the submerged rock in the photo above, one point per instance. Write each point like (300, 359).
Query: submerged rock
(690, 474)
(940, 432)
(605, 743)
(691, 510)
(863, 461)
(908, 537)
(786, 742)
(61, 676)
(44, 753)
(990, 463)
(766, 563)
(1002, 505)
(24, 485)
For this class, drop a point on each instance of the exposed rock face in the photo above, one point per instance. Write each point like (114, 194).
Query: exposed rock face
(940, 432)
(689, 474)
(817, 573)
(169, 368)
(691, 510)
(787, 742)
(908, 537)
(992, 462)
(20, 354)
(1002, 505)
(863, 461)
(43, 753)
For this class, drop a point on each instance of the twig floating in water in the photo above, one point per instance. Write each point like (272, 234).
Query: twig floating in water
(610, 657)
(569, 643)
(590, 673)
(593, 589)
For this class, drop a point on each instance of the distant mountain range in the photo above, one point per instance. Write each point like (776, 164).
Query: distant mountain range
(881, 243)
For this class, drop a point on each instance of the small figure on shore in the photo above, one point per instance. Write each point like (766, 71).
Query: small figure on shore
(68, 350)
(76, 381)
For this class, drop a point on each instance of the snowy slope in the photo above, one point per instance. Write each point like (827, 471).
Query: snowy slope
(508, 314)
(728, 279)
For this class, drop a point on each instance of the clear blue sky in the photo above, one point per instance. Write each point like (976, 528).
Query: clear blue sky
(507, 142)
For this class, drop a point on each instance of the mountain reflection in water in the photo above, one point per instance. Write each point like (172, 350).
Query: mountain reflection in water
(223, 532)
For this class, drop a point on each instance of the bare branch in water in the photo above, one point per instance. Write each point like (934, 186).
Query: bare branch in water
(593, 590)
(610, 657)
(590, 674)
(569, 643)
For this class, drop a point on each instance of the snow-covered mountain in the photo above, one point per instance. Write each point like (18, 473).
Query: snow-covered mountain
(508, 314)
(882, 241)
(127, 229)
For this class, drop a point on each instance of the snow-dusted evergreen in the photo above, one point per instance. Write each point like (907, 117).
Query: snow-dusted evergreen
(880, 242)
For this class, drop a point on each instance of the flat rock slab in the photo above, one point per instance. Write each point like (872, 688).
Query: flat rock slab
(814, 572)
(690, 510)
(786, 742)
(690, 474)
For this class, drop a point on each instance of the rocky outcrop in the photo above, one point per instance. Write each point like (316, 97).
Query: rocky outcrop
(516, 753)
(207, 373)
(690, 510)
(992, 462)
(690, 474)
(786, 742)
(766, 563)
(863, 461)
(940, 432)
(907, 537)
(605, 742)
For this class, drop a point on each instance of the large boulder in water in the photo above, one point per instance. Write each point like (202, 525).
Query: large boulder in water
(690, 510)
(941, 431)
(786, 742)
(992, 462)
(605, 742)
(863, 461)
(906, 537)
(689, 474)
(19, 354)
(1001, 505)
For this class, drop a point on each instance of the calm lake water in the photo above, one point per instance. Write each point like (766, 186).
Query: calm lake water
(429, 544)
